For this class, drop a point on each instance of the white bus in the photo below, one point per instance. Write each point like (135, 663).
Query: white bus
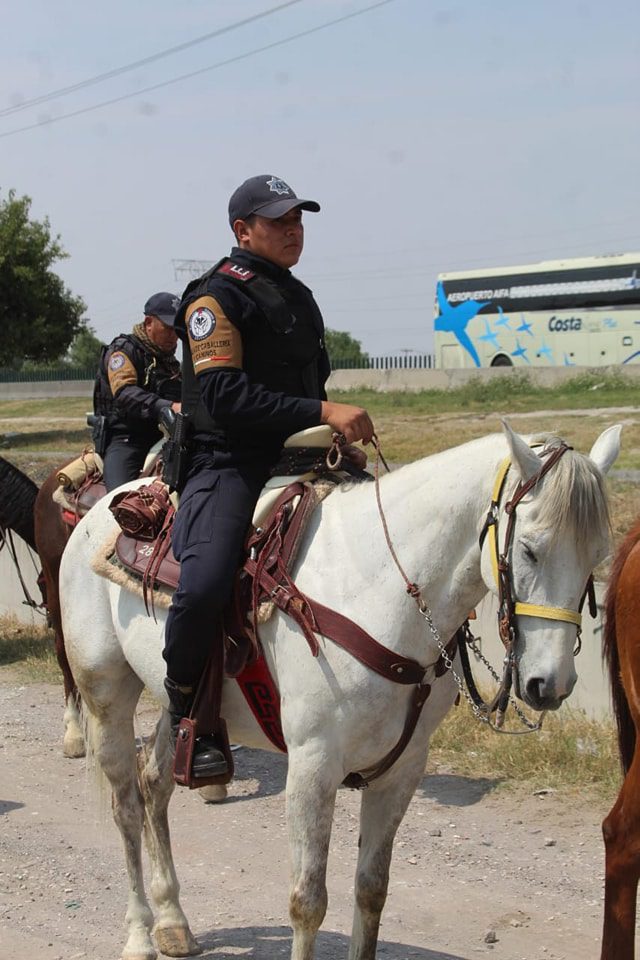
(579, 312)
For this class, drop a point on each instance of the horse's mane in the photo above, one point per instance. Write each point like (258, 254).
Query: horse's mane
(610, 654)
(573, 499)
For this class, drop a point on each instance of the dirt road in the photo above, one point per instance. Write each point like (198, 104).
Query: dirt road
(472, 864)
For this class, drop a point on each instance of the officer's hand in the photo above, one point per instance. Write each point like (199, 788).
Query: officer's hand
(176, 407)
(354, 422)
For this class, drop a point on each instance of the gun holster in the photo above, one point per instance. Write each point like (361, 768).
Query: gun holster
(99, 432)
(175, 451)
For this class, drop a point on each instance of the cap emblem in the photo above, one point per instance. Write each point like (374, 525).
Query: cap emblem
(175, 303)
(278, 186)
(202, 322)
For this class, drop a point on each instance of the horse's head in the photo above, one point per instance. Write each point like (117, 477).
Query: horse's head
(553, 530)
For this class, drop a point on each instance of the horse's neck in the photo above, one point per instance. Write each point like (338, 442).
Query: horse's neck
(433, 510)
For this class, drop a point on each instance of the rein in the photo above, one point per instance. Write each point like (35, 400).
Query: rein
(6, 540)
(508, 608)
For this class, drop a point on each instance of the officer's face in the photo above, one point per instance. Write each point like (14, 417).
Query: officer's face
(159, 333)
(279, 240)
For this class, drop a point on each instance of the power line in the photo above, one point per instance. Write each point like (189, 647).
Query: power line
(152, 58)
(195, 73)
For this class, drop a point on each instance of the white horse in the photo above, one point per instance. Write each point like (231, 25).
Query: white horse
(337, 716)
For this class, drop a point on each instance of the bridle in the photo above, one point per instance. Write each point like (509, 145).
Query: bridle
(508, 608)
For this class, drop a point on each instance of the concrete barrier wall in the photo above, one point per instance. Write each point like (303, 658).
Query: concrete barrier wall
(380, 380)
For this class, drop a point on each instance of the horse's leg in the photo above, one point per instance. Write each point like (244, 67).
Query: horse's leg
(155, 763)
(382, 809)
(621, 831)
(73, 741)
(311, 794)
(113, 744)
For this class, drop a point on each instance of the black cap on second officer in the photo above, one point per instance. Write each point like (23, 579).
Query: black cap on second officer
(268, 196)
(163, 306)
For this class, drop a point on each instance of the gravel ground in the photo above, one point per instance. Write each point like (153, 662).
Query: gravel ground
(477, 870)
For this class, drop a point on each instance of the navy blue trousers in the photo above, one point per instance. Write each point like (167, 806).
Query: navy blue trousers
(123, 460)
(209, 530)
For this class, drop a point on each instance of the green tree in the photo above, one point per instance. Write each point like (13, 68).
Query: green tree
(342, 346)
(85, 348)
(39, 316)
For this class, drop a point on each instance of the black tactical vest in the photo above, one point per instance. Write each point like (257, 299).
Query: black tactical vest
(157, 379)
(298, 376)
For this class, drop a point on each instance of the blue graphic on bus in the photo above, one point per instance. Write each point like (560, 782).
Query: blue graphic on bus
(489, 336)
(455, 320)
(520, 351)
(525, 326)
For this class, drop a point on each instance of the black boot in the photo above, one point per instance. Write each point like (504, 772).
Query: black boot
(208, 758)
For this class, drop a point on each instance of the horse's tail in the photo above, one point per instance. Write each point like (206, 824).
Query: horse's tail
(17, 497)
(611, 653)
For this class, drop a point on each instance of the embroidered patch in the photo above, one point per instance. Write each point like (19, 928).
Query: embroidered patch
(278, 186)
(235, 270)
(116, 361)
(202, 323)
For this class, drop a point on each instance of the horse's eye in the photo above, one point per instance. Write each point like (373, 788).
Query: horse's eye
(529, 554)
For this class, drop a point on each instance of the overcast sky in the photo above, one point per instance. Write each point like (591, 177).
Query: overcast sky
(436, 136)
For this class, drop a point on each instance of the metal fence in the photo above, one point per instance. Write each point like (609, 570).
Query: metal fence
(47, 374)
(405, 361)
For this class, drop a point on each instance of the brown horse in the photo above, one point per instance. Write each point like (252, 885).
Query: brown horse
(621, 828)
(31, 514)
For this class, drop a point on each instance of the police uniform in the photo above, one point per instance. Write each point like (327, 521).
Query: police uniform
(134, 384)
(254, 372)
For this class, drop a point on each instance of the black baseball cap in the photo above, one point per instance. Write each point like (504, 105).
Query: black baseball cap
(164, 306)
(268, 196)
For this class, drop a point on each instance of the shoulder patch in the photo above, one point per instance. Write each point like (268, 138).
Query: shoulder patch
(235, 271)
(202, 322)
(213, 339)
(117, 361)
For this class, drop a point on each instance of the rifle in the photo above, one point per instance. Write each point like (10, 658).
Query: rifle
(175, 449)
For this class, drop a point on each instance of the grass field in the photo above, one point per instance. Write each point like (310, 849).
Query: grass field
(409, 425)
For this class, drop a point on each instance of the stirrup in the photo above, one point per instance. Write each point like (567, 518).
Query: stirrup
(208, 758)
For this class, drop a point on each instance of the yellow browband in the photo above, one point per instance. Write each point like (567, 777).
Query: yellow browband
(522, 609)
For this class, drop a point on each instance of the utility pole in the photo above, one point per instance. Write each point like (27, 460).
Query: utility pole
(190, 269)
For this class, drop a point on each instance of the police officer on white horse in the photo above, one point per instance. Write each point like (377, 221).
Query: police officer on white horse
(254, 372)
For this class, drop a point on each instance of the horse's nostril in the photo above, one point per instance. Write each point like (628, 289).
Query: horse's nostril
(534, 689)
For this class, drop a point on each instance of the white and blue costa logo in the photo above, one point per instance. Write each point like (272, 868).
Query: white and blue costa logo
(117, 361)
(202, 322)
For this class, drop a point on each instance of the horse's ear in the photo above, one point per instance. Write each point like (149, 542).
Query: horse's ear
(605, 450)
(522, 456)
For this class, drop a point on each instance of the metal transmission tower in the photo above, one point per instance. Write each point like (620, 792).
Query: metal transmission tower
(190, 269)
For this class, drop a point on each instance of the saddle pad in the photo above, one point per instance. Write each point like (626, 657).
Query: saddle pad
(135, 555)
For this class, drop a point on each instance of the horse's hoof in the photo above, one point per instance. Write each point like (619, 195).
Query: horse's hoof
(176, 942)
(214, 793)
(73, 747)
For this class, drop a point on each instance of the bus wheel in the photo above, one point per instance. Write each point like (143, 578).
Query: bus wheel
(501, 361)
